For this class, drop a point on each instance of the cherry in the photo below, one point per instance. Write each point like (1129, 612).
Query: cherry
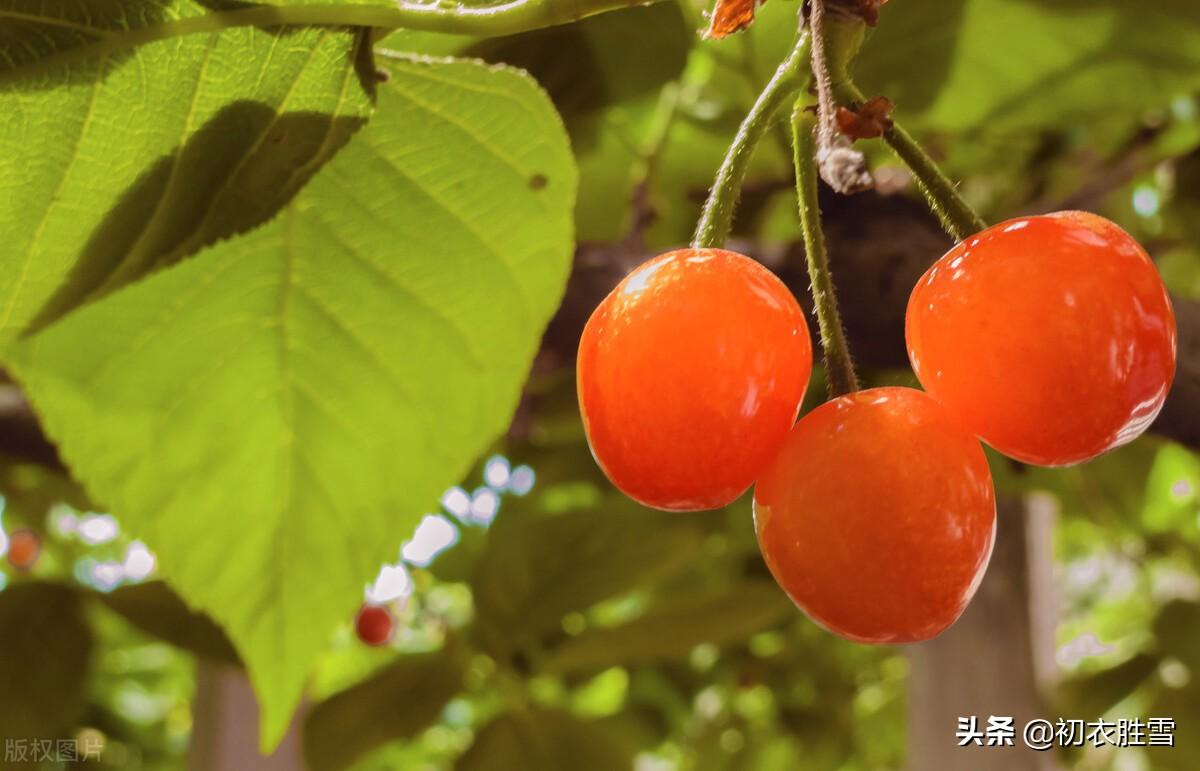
(24, 547)
(374, 625)
(1050, 337)
(878, 516)
(690, 375)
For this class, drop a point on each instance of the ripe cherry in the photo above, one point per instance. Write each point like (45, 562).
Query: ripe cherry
(374, 625)
(878, 516)
(1051, 337)
(24, 547)
(690, 375)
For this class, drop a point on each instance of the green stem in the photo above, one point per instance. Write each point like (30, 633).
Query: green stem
(839, 366)
(716, 220)
(956, 215)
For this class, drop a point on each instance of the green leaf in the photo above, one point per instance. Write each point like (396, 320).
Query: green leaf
(1172, 490)
(124, 162)
(397, 703)
(274, 415)
(544, 740)
(606, 96)
(158, 611)
(536, 570)
(586, 67)
(672, 628)
(45, 644)
(961, 64)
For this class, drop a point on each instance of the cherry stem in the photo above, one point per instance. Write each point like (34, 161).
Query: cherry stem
(716, 219)
(826, 128)
(956, 215)
(839, 365)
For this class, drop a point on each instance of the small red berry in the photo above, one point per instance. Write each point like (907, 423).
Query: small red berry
(878, 516)
(374, 625)
(690, 375)
(1051, 337)
(24, 547)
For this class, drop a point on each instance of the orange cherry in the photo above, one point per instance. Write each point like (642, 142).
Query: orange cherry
(690, 375)
(24, 548)
(878, 516)
(1051, 337)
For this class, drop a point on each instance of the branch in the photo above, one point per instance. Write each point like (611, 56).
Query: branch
(841, 166)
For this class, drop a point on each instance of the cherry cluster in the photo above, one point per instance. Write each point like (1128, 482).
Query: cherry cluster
(1050, 338)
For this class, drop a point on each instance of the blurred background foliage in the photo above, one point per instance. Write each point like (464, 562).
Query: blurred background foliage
(545, 621)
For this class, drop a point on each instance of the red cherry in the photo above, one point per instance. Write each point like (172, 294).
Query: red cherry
(24, 547)
(374, 625)
(878, 516)
(1050, 337)
(690, 375)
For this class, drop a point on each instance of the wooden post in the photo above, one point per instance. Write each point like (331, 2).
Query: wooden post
(998, 658)
(225, 726)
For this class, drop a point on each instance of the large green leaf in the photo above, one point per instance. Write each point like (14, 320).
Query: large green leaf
(398, 702)
(536, 570)
(958, 64)
(45, 644)
(274, 415)
(674, 627)
(544, 740)
(116, 160)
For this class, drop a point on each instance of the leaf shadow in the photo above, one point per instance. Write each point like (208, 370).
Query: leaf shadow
(587, 67)
(234, 174)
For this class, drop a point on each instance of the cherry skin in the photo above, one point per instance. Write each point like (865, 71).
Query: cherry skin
(690, 375)
(1052, 337)
(24, 547)
(374, 625)
(878, 517)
